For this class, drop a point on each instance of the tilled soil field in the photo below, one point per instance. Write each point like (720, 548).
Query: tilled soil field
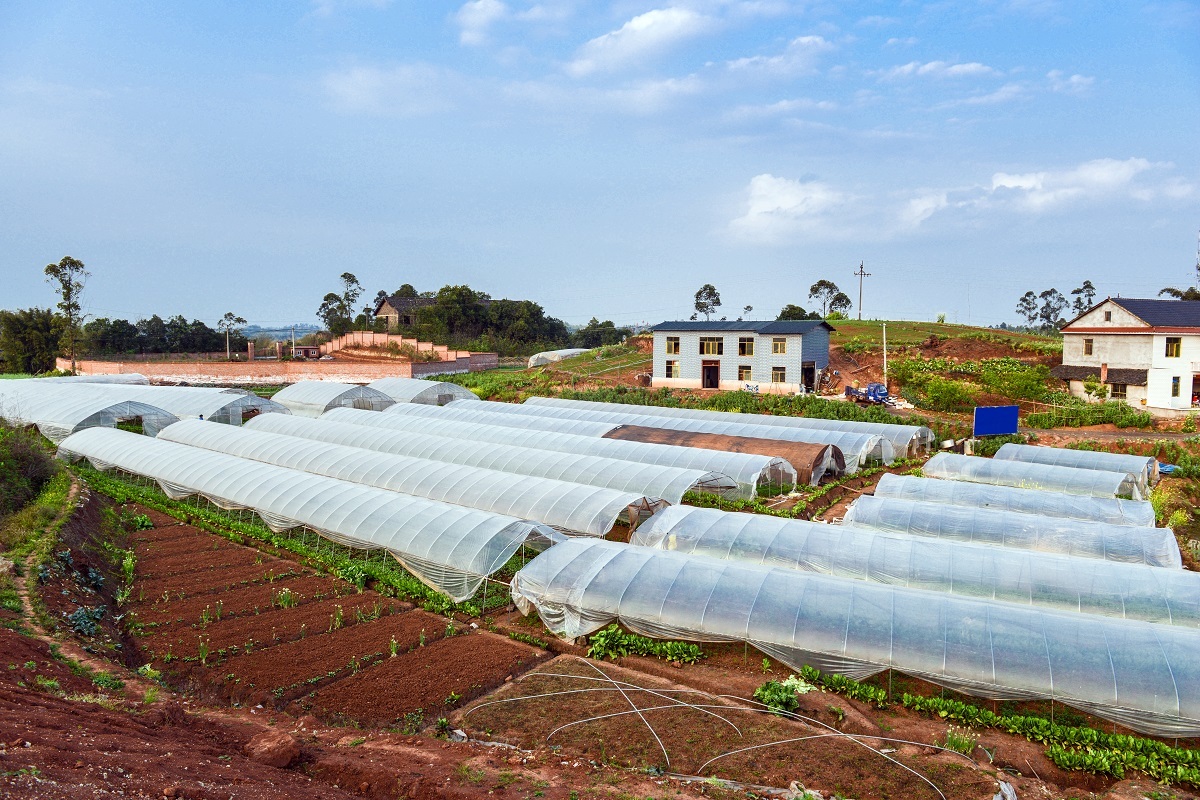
(243, 628)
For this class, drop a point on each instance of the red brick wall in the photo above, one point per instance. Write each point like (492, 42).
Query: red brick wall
(266, 372)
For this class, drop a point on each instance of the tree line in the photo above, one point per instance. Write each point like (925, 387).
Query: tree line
(31, 338)
(465, 318)
(835, 304)
(1045, 309)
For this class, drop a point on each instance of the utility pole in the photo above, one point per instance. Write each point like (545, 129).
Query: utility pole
(861, 273)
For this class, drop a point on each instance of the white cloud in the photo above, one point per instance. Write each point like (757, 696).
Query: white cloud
(936, 69)
(476, 17)
(799, 58)
(640, 39)
(780, 207)
(877, 21)
(1007, 92)
(921, 208)
(780, 108)
(1074, 84)
(1091, 181)
(896, 41)
(408, 90)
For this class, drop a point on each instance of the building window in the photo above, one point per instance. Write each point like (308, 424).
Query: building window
(745, 373)
(779, 347)
(1108, 316)
(712, 346)
(673, 345)
(1087, 347)
(1175, 386)
(1118, 391)
(746, 346)
(778, 375)
(1173, 346)
(672, 369)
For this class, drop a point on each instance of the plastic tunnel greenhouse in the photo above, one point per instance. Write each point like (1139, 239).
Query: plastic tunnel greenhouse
(905, 439)
(1140, 674)
(1144, 467)
(59, 414)
(574, 507)
(192, 402)
(553, 356)
(1050, 580)
(1006, 498)
(450, 548)
(858, 448)
(668, 483)
(973, 469)
(313, 398)
(1075, 537)
(748, 469)
(415, 390)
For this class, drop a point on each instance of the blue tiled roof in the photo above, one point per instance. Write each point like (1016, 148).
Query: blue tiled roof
(1163, 313)
(780, 326)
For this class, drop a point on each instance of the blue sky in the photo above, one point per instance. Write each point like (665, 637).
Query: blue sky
(599, 158)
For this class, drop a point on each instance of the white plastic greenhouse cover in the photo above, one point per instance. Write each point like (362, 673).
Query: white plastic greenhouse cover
(484, 413)
(910, 439)
(1140, 674)
(313, 398)
(183, 402)
(191, 402)
(1144, 467)
(415, 390)
(668, 483)
(1065, 583)
(551, 356)
(450, 548)
(748, 469)
(59, 414)
(973, 469)
(857, 448)
(1006, 498)
(588, 510)
(1077, 537)
(119, 378)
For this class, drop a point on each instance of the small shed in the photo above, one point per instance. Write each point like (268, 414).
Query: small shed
(551, 356)
(314, 398)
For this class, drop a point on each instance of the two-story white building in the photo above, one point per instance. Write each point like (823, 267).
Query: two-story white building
(771, 357)
(1145, 352)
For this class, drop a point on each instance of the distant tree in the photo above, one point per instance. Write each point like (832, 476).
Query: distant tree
(405, 290)
(229, 323)
(840, 304)
(693, 317)
(1053, 304)
(746, 310)
(1084, 295)
(599, 334)
(708, 299)
(791, 311)
(29, 339)
(824, 292)
(1027, 307)
(1190, 293)
(68, 276)
(337, 310)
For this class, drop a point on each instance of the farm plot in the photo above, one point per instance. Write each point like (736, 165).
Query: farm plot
(243, 627)
(422, 684)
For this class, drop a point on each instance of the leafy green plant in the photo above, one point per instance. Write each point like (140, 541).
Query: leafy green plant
(108, 681)
(521, 636)
(84, 620)
(613, 643)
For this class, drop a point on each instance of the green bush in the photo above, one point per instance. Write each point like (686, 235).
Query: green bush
(24, 468)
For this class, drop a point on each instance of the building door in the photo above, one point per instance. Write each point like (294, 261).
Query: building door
(808, 375)
(710, 374)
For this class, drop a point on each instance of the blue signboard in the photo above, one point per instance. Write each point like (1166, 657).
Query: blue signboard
(995, 420)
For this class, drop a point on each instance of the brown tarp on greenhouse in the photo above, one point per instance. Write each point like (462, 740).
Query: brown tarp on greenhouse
(805, 457)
